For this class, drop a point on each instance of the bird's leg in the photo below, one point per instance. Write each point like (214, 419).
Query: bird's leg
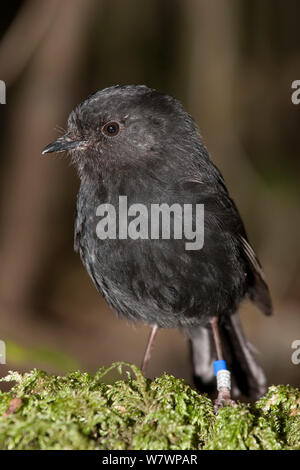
(224, 395)
(147, 354)
(217, 338)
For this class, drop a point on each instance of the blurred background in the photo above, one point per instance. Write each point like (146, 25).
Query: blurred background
(231, 63)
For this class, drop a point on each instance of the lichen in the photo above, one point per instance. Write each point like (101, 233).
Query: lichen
(80, 411)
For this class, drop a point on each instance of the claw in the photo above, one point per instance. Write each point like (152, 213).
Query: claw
(223, 399)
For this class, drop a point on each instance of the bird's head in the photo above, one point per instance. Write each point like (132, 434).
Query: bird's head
(125, 126)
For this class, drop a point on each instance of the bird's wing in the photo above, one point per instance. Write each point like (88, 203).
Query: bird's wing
(258, 292)
(224, 209)
(252, 258)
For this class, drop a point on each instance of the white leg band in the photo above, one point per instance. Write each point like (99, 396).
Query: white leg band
(223, 379)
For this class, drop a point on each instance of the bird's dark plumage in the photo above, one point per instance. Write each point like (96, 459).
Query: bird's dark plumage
(157, 156)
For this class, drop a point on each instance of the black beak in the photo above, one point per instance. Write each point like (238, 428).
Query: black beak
(61, 144)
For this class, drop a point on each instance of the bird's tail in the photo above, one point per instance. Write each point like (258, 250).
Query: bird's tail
(248, 378)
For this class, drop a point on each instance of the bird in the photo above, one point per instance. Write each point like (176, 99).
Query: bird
(136, 142)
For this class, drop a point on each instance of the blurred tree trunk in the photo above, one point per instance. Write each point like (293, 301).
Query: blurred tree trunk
(219, 77)
(31, 205)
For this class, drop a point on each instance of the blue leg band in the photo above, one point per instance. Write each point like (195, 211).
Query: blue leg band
(219, 365)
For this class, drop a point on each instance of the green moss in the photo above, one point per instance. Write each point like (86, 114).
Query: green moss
(83, 412)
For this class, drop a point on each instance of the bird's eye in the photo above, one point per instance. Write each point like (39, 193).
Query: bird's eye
(111, 129)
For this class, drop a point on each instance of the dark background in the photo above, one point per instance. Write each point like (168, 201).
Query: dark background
(231, 63)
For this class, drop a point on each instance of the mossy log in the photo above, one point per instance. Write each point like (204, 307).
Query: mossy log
(83, 412)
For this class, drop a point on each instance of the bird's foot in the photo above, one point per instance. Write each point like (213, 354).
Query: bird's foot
(223, 399)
